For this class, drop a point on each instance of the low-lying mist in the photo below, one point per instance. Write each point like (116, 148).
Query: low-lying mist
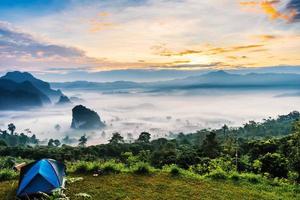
(158, 113)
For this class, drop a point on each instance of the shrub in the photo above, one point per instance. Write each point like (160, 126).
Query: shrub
(8, 162)
(112, 167)
(224, 164)
(235, 176)
(174, 170)
(217, 174)
(81, 167)
(92, 167)
(252, 178)
(7, 174)
(200, 168)
(141, 168)
(275, 164)
(95, 167)
(293, 176)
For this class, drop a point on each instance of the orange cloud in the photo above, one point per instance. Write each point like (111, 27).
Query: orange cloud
(236, 58)
(99, 26)
(270, 9)
(103, 14)
(266, 37)
(100, 23)
(211, 51)
(182, 53)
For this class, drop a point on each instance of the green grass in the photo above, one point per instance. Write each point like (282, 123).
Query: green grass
(162, 186)
(8, 189)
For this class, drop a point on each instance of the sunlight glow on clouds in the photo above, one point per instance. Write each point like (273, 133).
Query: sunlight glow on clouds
(270, 9)
(158, 34)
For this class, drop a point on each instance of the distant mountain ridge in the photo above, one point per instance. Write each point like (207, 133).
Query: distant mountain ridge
(154, 75)
(225, 79)
(85, 85)
(216, 79)
(43, 86)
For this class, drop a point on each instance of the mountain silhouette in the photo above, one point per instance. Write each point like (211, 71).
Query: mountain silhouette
(43, 86)
(20, 95)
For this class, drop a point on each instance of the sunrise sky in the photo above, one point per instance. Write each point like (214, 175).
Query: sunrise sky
(56, 36)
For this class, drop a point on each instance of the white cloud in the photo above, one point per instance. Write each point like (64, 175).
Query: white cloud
(128, 31)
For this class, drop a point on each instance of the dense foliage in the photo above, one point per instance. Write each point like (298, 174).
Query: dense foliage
(212, 153)
(10, 138)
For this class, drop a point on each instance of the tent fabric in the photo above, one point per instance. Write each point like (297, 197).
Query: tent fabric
(41, 176)
(59, 170)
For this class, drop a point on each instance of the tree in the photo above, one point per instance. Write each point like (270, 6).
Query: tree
(66, 140)
(225, 129)
(57, 127)
(3, 143)
(187, 157)
(51, 143)
(129, 137)
(11, 128)
(295, 149)
(103, 134)
(33, 139)
(162, 157)
(116, 138)
(144, 137)
(56, 142)
(210, 146)
(275, 164)
(82, 141)
(23, 139)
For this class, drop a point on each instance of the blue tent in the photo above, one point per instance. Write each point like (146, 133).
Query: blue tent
(41, 176)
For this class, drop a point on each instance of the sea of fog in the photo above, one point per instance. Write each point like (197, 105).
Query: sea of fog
(158, 113)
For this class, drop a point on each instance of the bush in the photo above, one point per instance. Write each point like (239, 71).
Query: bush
(224, 164)
(141, 168)
(293, 176)
(275, 164)
(95, 167)
(200, 168)
(235, 176)
(81, 167)
(7, 174)
(112, 167)
(217, 174)
(252, 178)
(174, 170)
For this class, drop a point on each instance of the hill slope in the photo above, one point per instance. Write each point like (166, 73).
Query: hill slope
(20, 95)
(43, 86)
(159, 186)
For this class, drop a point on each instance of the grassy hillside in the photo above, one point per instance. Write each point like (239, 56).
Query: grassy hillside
(159, 186)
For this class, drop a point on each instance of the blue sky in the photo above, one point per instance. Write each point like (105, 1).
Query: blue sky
(14, 9)
(59, 36)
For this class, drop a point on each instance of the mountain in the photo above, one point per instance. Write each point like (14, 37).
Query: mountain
(217, 79)
(20, 95)
(63, 100)
(85, 85)
(153, 75)
(84, 118)
(222, 79)
(43, 86)
(136, 75)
